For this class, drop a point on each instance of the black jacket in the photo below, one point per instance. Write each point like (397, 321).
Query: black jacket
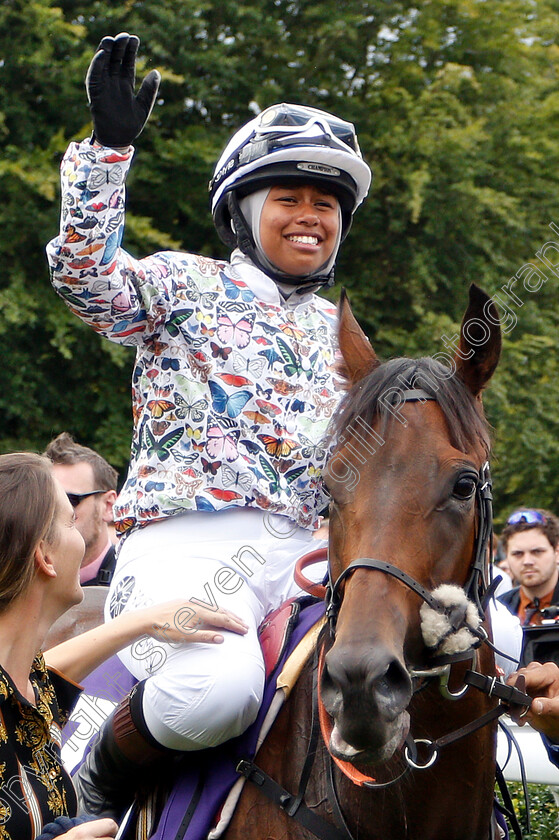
(106, 570)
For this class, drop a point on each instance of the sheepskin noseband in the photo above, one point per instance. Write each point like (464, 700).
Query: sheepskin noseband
(453, 627)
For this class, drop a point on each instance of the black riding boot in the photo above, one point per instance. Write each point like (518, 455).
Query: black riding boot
(116, 766)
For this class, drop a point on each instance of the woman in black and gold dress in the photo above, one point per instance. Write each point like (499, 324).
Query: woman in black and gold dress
(40, 556)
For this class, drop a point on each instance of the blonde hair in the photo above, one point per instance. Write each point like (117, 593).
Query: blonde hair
(28, 506)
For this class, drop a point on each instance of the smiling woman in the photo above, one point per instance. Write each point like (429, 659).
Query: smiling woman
(40, 555)
(300, 228)
(234, 386)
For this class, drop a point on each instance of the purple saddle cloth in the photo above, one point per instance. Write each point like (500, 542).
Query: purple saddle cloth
(208, 776)
(204, 778)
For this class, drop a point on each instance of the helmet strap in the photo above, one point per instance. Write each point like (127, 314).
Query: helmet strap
(243, 234)
(312, 283)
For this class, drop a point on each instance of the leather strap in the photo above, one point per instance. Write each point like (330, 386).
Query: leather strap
(491, 686)
(416, 395)
(476, 585)
(131, 737)
(474, 725)
(507, 808)
(192, 805)
(319, 555)
(276, 793)
(311, 749)
(335, 802)
(333, 601)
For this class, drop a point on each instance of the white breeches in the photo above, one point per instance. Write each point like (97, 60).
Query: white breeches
(507, 636)
(198, 695)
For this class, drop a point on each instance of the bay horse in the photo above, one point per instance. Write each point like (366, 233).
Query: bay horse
(407, 479)
(407, 469)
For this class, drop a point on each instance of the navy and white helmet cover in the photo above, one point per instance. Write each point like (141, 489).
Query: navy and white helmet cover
(287, 143)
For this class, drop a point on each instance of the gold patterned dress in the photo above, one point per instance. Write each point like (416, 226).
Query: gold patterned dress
(34, 787)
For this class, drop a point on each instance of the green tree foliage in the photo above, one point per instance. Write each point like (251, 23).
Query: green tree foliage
(456, 104)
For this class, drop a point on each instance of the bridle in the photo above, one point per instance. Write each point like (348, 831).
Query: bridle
(476, 587)
(477, 590)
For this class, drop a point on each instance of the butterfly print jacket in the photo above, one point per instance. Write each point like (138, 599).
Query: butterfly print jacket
(233, 387)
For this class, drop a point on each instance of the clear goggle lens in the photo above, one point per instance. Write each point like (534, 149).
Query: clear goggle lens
(292, 119)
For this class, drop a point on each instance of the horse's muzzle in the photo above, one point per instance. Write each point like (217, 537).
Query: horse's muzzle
(366, 692)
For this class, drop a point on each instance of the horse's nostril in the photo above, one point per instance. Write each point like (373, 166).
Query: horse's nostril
(332, 684)
(393, 687)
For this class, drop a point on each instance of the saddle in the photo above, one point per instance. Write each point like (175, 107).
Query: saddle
(203, 797)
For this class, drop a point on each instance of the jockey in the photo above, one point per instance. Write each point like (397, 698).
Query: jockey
(233, 387)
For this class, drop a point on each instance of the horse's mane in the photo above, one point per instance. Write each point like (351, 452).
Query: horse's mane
(463, 413)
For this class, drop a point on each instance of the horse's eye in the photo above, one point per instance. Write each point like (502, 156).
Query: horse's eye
(465, 487)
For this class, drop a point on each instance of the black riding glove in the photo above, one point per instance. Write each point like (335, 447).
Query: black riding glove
(118, 115)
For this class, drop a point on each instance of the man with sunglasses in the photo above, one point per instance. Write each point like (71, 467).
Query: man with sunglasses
(531, 542)
(90, 484)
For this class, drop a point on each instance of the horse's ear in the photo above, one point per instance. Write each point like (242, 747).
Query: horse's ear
(480, 341)
(359, 358)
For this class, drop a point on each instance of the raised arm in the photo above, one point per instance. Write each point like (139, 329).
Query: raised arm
(123, 298)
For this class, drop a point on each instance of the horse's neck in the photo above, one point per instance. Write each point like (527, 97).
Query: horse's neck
(80, 618)
(423, 805)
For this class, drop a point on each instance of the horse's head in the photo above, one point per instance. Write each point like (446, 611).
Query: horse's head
(411, 441)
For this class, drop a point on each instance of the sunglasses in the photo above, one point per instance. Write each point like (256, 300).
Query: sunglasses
(76, 498)
(532, 517)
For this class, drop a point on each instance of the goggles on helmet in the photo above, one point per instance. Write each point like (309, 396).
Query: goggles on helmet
(281, 125)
